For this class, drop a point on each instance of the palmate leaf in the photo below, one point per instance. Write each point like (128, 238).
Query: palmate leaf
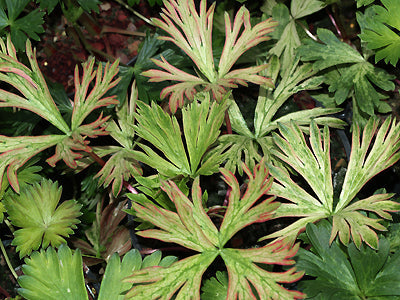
(201, 127)
(29, 24)
(252, 146)
(53, 275)
(379, 28)
(192, 32)
(377, 150)
(192, 228)
(122, 165)
(360, 77)
(347, 273)
(59, 275)
(35, 96)
(42, 222)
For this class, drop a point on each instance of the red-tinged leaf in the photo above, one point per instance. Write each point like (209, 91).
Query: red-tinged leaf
(16, 151)
(244, 273)
(85, 102)
(93, 129)
(65, 151)
(240, 212)
(184, 227)
(120, 167)
(191, 227)
(35, 95)
(163, 283)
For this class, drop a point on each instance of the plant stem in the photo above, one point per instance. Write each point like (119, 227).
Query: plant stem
(137, 14)
(8, 260)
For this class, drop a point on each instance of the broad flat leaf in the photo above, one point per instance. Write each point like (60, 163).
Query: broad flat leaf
(302, 8)
(380, 29)
(30, 24)
(112, 286)
(42, 222)
(192, 228)
(2, 211)
(201, 127)
(215, 288)
(53, 275)
(377, 151)
(363, 2)
(89, 5)
(359, 77)
(47, 4)
(347, 273)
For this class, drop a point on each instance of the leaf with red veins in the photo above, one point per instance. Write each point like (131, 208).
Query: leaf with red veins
(16, 151)
(85, 103)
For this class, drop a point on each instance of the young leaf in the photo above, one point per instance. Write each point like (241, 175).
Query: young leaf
(359, 77)
(192, 32)
(381, 30)
(30, 24)
(34, 210)
(192, 228)
(353, 274)
(377, 151)
(201, 127)
(53, 275)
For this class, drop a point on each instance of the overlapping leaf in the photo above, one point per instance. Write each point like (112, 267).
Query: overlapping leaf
(354, 73)
(252, 146)
(42, 222)
(59, 275)
(192, 32)
(201, 127)
(353, 274)
(377, 150)
(35, 96)
(380, 29)
(192, 228)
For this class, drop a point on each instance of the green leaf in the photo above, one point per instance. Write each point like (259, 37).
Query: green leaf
(47, 4)
(85, 103)
(42, 222)
(302, 8)
(89, 5)
(53, 275)
(359, 77)
(201, 127)
(380, 30)
(112, 285)
(215, 288)
(2, 211)
(15, 151)
(347, 273)
(377, 151)
(192, 228)
(30, 24)
(251, 147)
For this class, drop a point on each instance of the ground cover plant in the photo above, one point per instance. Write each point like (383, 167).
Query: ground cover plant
(237, 156)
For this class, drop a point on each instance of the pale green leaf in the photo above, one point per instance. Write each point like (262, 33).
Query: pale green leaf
(53, 275)
(85, 103)
(244, 271)
(15, 151)
(302, 8)
(30, 83)
(42, 222)
(311, 160)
